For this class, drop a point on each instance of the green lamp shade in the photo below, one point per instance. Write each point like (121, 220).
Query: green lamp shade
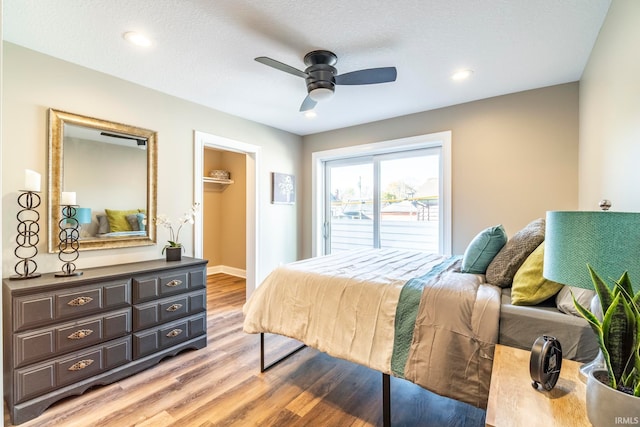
(608, 241)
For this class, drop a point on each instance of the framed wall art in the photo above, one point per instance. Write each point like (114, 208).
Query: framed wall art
(283, 190)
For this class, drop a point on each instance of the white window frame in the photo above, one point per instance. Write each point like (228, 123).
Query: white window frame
(318, 158)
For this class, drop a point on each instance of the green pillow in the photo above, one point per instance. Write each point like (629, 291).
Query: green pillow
(142, 222)
(118, 219)
(482, 249)
(529, 286)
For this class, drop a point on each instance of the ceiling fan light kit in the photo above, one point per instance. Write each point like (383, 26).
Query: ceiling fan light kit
(321, 76)
(320, 94)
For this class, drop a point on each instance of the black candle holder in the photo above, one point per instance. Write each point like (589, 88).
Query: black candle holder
(27, 239)
(69, 245)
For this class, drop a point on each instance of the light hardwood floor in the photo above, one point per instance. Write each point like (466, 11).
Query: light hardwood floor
(221, 385)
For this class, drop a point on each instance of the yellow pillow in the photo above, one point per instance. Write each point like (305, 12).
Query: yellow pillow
(529, 286)
(118, 219)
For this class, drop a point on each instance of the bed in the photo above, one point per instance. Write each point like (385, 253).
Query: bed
(426, 318)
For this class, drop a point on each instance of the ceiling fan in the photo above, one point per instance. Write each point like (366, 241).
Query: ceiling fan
(139, 141)
(321, 77)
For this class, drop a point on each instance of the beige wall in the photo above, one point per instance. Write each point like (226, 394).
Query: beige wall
(513, 157)
(610, 113)
(224, 219)
(33, 83)
(89, 165)
(234, 204)
(211, 212)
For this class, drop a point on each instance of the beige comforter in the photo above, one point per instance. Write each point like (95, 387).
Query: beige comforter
(345, 305)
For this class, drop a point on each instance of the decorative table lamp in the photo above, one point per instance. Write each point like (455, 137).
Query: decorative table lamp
(608, 241)
(68, 246)
(28, 228)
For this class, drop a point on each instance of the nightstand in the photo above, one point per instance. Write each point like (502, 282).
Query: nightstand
(514, 402)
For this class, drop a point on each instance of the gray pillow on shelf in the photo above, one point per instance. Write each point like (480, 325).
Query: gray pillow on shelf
(103, 224)
(133, 222)
(506, 263)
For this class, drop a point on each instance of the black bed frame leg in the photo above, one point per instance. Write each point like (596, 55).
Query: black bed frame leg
(263, 366)
(386, 400)
(262, 369)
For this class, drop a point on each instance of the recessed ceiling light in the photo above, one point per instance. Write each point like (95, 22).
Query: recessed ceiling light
(137, 39)
(461, 74)
(310, 114)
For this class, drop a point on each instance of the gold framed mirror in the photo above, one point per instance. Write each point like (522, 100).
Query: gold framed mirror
(110, 169)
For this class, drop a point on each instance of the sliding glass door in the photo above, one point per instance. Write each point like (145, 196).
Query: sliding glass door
(388, 200)
(349, 216)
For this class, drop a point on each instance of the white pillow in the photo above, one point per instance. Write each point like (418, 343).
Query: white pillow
(564, 302)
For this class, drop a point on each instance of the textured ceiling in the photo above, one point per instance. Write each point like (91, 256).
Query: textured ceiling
(203, 50)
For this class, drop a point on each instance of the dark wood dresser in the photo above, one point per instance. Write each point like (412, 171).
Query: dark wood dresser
(64, 335)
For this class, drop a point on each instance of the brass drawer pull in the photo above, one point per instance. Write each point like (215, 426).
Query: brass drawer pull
(174, 282)
(174, 333)
(80, 334)
(174, 307)
(76, 302)
(80, 365)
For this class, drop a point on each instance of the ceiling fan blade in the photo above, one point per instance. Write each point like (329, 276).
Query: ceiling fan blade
(307, 104)
(139, 141)
(282, 67)
(368, 76)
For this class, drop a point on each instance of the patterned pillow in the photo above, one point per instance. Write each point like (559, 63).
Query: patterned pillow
(505, 265)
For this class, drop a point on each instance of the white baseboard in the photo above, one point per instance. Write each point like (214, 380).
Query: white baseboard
(227, 270)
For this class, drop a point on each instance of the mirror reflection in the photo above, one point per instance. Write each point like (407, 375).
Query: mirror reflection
(109, 170)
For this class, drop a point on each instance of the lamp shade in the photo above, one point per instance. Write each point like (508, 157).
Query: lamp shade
(608, 241)
(83, 215)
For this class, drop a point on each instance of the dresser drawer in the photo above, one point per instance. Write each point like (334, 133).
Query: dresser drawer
(33, 346)
(147, 288)
(150, 288)
(45, 308)
(160, 311)
(39, 379)
(155, 339)
(197, 278)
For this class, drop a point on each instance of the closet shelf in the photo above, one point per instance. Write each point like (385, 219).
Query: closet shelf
(217, 184)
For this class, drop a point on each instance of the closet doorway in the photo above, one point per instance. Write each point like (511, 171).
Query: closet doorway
(218, 150)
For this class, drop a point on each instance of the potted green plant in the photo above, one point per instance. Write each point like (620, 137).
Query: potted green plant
(613, 393)
(173, 247)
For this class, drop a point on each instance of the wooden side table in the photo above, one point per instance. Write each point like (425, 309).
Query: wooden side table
(514, 402)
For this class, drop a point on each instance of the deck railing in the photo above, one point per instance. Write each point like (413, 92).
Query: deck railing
(347, 234)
